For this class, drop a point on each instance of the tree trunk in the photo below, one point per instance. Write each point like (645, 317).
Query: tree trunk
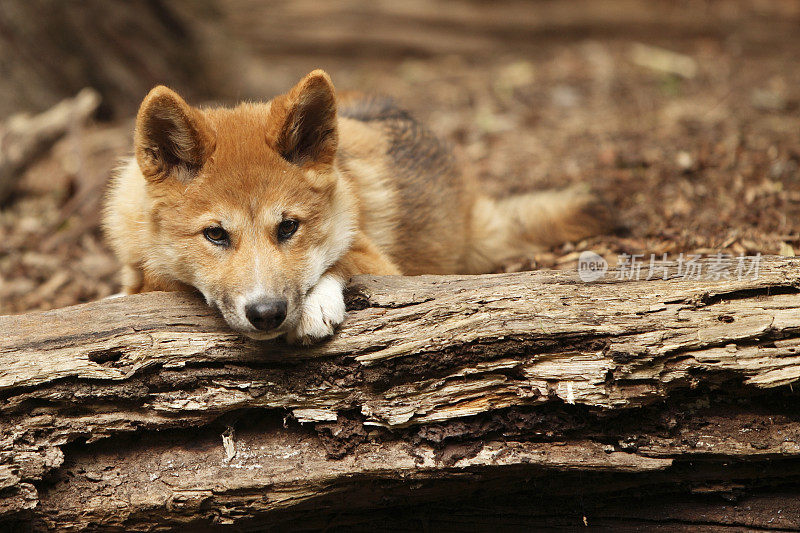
(528, 399)
(49, 50)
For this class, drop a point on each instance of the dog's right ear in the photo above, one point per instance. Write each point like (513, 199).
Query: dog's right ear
(171, 138)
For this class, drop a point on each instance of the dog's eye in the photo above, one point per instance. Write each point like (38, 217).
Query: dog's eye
(286, 229)
(217, 235)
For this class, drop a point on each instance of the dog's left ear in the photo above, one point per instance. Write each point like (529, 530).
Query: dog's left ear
(308, 133)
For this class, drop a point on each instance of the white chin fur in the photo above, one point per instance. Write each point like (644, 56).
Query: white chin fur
(323, 310)
(263, 335)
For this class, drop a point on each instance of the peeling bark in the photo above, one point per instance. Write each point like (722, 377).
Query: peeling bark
(113, 413)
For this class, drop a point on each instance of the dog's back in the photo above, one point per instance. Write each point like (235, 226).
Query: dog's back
(415, 204)
(427, 215)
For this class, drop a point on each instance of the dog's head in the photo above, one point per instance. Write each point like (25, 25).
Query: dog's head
(246, 203)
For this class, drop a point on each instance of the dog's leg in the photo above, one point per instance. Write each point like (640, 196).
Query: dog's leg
(323, 308)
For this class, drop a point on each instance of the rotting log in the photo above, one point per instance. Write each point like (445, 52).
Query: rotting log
(145, 412)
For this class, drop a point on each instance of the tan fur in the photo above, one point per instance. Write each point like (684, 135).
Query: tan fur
(373, 192)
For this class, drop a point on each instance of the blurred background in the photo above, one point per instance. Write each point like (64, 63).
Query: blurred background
(684, 114)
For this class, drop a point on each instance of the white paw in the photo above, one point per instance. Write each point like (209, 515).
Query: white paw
(323, 310)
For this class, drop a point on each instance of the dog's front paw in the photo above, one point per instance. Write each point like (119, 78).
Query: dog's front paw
(323, 310)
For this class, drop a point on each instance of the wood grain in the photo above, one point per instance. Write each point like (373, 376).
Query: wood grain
(112, 412)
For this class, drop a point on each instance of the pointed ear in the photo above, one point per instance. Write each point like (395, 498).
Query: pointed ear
(171, 138)
(308, 132)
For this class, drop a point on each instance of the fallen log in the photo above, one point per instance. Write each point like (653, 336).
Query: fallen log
(24, 138)
(145, 412)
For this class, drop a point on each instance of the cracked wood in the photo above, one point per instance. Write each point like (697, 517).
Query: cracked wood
(414, 352)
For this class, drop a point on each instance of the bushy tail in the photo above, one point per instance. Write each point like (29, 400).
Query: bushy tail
(517, 226)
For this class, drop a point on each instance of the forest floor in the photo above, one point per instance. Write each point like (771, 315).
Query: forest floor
(701, 160)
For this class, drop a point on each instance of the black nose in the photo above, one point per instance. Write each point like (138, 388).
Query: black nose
(266, 314)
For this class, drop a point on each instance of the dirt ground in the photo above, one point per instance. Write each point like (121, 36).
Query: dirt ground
(700, 161)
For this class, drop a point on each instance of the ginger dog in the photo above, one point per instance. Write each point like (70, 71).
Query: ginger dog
(269, 208)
